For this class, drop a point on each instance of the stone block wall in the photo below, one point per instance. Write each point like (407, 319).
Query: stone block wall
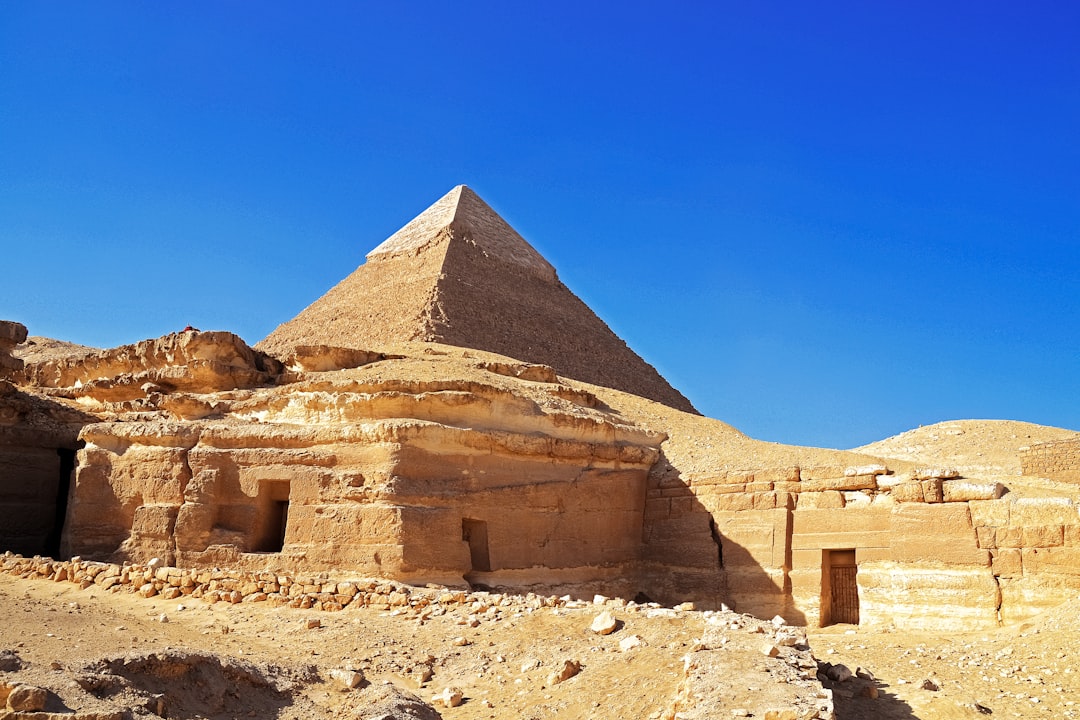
(1058, 460)
(1034, 546)
(932, 550)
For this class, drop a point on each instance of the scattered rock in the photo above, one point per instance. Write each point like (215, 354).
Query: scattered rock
(349, 678)
(630, 642)
(9, 661)
(838, 673)
(604, 623)
(27, 698)
(449, 697)
(930, 684)
(567, 670)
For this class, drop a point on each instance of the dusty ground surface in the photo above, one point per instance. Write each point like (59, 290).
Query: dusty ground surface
(250, 660)
(1026, 671)
(61, 634)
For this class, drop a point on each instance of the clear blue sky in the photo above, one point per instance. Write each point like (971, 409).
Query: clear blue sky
(825, 223)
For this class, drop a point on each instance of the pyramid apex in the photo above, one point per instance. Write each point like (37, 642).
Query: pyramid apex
(465, 217)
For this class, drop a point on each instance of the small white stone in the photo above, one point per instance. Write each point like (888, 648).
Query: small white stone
(604, 623)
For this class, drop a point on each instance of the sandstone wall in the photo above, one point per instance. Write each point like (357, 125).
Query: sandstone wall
(37, 446)
(429, 482)
(1055, 460)
(930, 550)
(1034, 545)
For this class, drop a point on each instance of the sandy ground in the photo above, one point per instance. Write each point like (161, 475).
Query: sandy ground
(504, 670)
(58, 631)
(1026, 671)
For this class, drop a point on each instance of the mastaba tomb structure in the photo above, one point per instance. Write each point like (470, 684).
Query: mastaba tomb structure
(350, 442)
(458, 274)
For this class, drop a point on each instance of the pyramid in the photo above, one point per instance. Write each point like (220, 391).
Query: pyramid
(458, 274)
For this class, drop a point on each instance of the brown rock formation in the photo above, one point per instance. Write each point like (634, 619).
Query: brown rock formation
(11, 334)
(458, 274)
(436, 467)
(191, 361)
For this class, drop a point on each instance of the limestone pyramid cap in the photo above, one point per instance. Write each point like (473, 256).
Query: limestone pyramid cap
(464, 216)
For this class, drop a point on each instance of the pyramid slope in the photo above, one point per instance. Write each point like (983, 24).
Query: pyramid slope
(459, 274)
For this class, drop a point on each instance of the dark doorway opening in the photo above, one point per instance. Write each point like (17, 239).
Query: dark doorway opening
(63, 488)
(273, 517)
(475, 533)
(840, 588)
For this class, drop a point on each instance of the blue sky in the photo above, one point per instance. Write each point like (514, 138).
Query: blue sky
(825, 223)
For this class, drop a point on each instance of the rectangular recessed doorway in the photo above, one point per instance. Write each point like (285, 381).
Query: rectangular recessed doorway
(841, 589)
(273, 517)
(475, 533)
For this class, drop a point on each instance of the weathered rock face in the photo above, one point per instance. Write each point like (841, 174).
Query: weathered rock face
(11, 334)
(459, 274)
(37, 453)
(190, 361)
(420, 479)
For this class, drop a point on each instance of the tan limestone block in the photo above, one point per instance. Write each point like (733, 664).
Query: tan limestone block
(732, 501)
(1009, 537)
(1006, 562)
(854, 482)
(936, 533)
(847, 520)
(1043, 511)
(787, 474)
(963, 491)
(908, 492)
(1043, 536)
(989, 513)
(1057, 560)
(764, 500)
(828, 540)
(932, 492)
(828, 499)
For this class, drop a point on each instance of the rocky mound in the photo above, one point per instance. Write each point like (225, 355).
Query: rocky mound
(973, 447)
(37, 349)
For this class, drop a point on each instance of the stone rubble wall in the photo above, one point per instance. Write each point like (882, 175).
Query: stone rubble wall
(1058, 460)
(308, 592)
